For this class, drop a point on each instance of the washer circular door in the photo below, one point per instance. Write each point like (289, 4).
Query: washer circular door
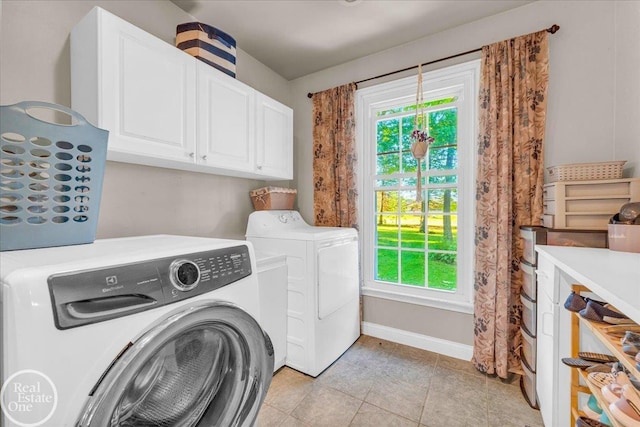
(208, 365)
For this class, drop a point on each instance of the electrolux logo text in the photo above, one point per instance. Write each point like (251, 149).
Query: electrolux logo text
(28, 398)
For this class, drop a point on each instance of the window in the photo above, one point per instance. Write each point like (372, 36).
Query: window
(419, 252)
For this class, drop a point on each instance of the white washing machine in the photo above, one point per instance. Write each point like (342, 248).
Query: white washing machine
(155, 330)
(323, 285)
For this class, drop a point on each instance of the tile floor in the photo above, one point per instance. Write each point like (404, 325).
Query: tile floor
(380, 383)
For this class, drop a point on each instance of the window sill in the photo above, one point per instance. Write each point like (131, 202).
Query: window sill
(443, 304)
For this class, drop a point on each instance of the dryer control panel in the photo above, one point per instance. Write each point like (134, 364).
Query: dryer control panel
(90, 296)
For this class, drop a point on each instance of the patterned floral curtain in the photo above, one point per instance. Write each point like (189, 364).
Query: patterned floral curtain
(513, 97)
(335, 196)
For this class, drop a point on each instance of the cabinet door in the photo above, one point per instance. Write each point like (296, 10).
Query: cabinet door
(226, 114)
(147, 90)
(274, 138)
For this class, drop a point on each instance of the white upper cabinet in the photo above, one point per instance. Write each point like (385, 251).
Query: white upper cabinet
(226, 120)
(162, 107)
(138, 87)
(274, 137)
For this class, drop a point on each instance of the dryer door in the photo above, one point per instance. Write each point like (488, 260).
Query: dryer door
(207, 365)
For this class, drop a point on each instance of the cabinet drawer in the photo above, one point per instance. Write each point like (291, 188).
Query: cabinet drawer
(549, 207)
(549, 192)
(528, 386)
(529, 285)
(595, 205)
(528, 313)
(528, 352)
(532, 236)
(617, 187)
(587, 221)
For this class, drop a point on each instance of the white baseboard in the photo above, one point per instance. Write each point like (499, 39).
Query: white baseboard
(437, 345)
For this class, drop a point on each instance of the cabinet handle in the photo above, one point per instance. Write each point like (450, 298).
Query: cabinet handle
(259, 167)
(204, 157)
(192, 155)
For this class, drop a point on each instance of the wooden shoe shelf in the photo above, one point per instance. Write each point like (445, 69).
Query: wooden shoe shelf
(612, 344)
(598, 395)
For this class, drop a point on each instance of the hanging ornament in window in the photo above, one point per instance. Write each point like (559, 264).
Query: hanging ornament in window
(420, 137)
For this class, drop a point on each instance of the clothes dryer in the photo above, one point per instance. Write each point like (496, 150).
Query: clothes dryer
(155, 330)
(323, 285)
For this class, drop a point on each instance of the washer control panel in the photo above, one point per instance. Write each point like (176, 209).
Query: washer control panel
(184, 274)
(289, 217)
(262, 223)
(91, 296)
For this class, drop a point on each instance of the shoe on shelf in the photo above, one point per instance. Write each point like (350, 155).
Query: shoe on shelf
(604, 419)
(588, 422)
(576, 302)
(590, 413)
(601, 379)
(597, 312)
(597, 357)
(633, 396)
(612, 392)
(600, 367)
(576, 362)
(592, 408)
(626, 410)
(631, 343)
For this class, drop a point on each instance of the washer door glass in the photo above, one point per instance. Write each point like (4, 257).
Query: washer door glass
(209, 365)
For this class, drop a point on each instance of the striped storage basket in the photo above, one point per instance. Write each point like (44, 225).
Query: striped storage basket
(208, 44)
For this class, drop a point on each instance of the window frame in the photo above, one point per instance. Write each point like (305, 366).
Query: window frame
(458, 80)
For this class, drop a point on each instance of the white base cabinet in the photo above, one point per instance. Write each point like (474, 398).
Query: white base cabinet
(610, 276)
(163, 107)
(553, 379)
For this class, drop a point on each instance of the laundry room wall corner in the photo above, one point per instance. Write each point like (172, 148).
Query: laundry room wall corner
(136, 200)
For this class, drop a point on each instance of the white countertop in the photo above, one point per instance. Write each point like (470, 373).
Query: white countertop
(613, 276)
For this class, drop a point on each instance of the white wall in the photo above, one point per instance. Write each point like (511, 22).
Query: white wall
(593, 75)
(136, 200)
(627, 85)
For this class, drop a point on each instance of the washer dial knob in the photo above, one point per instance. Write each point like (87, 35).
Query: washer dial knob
(184, 274)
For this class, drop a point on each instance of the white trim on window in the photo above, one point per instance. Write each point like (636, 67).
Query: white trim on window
(460, 81)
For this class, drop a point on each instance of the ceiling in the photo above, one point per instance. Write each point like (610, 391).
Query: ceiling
(298, 37)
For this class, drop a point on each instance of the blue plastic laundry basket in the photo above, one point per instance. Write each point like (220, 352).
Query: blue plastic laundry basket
(50, 178)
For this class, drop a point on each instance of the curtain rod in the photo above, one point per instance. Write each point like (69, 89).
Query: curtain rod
(552, 29)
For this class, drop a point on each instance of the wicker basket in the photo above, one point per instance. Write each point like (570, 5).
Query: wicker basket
(273, 198)
(586, 171)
